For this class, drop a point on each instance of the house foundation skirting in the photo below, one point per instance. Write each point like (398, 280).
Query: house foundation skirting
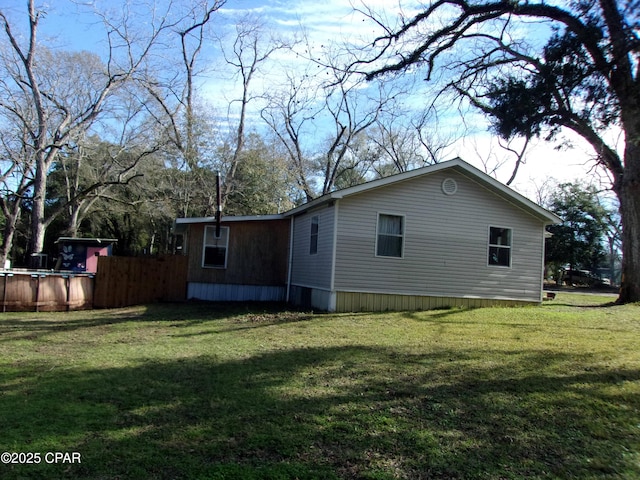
(217, 292)
(377, 302)
(310, 297)
(320, 299)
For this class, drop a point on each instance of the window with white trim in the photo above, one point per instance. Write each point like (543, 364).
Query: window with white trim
(390, 238)
(215, 248)
(500, 246)
(313, 238)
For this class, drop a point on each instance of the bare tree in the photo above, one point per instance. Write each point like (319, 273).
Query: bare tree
(434, 142)
(336, 106)
(352, 107)
(409, 140)
(496, 155)
(252, 47)
(88, 172)
(192, 38)
(179, 111)
(175, 94)
(65, 100)
(16, 179)
(291, 113)
(350, 111)
(398, 144)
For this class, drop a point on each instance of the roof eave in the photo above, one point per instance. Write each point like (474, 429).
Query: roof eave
(95, 240)
(373, 184)
(548, 218)
(230, 218)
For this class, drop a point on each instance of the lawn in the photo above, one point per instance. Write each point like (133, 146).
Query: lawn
(204, 391)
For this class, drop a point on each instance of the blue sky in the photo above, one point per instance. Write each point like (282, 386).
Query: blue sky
(67, 26)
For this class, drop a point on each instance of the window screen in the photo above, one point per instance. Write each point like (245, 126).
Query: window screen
(390, 235)
(313, 240)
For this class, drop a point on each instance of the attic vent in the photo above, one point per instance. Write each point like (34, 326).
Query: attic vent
(449, 186)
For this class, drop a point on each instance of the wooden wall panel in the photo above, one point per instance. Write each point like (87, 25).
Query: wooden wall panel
(125, 281)
(258, 253)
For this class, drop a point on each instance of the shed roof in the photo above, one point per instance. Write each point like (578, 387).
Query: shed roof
(87, 241)
(233, 218)
(181, 224)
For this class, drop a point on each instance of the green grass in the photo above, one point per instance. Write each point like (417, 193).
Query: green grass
(206, 392)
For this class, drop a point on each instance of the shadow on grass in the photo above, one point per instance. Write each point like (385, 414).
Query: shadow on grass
(579, 306)
(339, 412)
(30, 326)
(436, 315)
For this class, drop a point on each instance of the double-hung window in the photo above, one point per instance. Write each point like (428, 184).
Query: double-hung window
(313, 238)
(215, 247)
(390, 238)
(500, 246)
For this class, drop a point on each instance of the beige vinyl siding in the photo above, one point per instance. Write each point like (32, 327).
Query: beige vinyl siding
(313, 270)
(378, 302)
(446, 242)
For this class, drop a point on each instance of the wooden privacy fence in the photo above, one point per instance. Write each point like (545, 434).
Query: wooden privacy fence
(45, 291)
(125, 281)
(119, 282)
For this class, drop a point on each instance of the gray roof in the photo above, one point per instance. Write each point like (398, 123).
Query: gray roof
(456, 164)
(87, 241)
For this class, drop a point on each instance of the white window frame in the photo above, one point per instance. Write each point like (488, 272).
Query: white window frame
(205, 245)
(507, 247)
(403, 235)
(313, 237)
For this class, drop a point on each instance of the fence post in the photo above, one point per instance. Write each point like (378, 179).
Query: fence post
(4, 291)
(37, 279)
(93, 290)
(67, 284)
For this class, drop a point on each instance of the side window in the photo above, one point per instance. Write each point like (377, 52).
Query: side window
(500, 246)
(390, 238)
(313, 240)
(215, 248)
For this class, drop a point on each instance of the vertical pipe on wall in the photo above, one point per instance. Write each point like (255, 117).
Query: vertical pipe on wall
(218, 205)
(289, 273)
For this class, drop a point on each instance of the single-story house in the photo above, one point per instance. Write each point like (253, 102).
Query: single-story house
(442, 235)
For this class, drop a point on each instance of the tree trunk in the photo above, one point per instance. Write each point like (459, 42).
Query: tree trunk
(74, 220)
(38, 225)
(628, 191)
(72, 231)
(8, 234)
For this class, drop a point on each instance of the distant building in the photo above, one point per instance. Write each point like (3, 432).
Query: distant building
(80, 254)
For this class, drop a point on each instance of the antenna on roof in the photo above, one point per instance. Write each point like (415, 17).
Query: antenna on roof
(219, 204)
